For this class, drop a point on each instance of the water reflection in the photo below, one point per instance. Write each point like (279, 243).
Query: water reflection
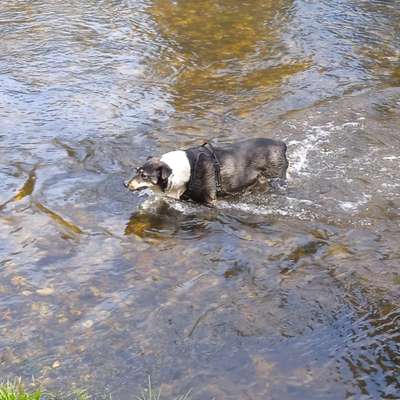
(223, 53)
(165, 219)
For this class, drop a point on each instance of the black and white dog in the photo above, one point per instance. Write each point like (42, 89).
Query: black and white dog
(206, 172)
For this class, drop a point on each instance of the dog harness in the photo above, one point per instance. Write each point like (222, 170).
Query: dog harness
(194, 157)
(217, 166)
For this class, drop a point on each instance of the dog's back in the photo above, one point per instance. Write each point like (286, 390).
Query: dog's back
(241, 165)
(253, 158)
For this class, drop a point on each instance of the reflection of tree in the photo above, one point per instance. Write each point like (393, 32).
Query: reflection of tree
(219, 47)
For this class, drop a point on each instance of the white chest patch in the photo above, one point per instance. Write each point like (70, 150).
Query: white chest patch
(180, 166)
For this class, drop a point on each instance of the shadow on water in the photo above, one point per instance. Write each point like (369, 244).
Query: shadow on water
(290, 293)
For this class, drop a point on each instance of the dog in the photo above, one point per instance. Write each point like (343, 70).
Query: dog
(205, 173)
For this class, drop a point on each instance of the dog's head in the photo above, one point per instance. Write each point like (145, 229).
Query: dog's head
(152, 174)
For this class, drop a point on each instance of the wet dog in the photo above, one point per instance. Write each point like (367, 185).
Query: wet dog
(205, 173)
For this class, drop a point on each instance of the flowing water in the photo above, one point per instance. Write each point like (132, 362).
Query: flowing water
(288, 294)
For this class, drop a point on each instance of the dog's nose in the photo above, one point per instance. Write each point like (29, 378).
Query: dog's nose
(126, 184)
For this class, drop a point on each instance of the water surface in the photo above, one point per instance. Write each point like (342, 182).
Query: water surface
(288, 294)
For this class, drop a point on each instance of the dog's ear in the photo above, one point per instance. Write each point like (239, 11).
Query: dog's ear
(164, 171)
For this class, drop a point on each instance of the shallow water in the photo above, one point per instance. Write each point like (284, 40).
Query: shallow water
(288, 294)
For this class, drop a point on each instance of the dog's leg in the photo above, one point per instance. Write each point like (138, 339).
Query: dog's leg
(211, 203)
(211, 197)
(176, 194)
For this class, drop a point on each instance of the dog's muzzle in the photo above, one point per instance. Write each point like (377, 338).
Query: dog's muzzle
(134, 186)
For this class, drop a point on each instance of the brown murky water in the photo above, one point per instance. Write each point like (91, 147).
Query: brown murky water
(290, 294)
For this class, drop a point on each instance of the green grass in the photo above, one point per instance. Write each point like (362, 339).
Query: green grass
(149, 393)
(15, 390)
(77, 394)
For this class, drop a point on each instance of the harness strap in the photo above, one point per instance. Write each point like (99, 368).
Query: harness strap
(217, 166)
(194, 155)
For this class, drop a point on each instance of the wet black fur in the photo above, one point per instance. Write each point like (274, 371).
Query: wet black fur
(242, 164)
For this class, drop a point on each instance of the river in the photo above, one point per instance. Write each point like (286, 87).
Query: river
(289, 294)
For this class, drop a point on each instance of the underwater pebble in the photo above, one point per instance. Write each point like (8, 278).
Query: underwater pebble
(18, 281)
(88, 323)
(338, 250)
(45, 291)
